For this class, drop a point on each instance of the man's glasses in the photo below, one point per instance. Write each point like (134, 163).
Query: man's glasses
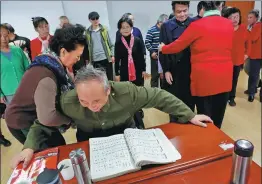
(95, 18)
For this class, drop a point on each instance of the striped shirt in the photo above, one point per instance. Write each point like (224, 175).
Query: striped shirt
(152, 39)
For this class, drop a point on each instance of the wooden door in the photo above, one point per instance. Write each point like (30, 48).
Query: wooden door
(244, 6)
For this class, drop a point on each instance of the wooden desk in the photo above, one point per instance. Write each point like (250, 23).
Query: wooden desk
(217, 172)
(197, 146)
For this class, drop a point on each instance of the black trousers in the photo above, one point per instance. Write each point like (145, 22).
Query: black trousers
(255, 67)
(18, 134)
(139, 115)
(213, 106)
(106, 66)
(56, 138)
(154, 74)
(236, 72)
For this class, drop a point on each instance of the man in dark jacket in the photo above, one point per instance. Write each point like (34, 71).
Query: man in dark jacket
(176, 67)
(200, 10)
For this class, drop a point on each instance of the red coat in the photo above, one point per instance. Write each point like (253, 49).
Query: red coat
(36, 47)
(210, 40)
(241, 45)
(256, 42)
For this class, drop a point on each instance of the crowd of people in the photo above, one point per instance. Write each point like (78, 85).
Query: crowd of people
(79, 78)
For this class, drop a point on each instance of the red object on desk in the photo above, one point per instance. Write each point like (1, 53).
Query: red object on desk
(197, 146)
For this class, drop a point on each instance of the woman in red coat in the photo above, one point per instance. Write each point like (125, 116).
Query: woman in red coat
(241, 48)
(41, 43)
(210, 41)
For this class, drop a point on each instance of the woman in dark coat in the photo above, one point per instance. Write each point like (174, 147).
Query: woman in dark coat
(129, 57)
(130, 63)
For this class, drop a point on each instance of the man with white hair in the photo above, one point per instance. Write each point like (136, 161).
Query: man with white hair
(152, 43)
(102, 108)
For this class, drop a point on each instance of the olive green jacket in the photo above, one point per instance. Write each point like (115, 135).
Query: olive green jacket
(108, 46)
(124, 100)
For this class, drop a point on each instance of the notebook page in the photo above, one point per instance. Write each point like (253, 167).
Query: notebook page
(150, 147)
(110, 157)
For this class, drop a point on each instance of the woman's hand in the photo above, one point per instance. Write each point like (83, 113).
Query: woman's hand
(117, 78)
(145, 75)
(161, 46)
(169, 78)
(245, 57)
(24, 156)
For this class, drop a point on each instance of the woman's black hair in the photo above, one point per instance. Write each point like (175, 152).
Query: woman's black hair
(122, 20)
(230, 11)
(223, 11)
(4, 26)
(10, 27)
(210, 5)
(38, 20)
(200, 6)
(255, 12)
(67, 38)
(218, 3)
(179, 2)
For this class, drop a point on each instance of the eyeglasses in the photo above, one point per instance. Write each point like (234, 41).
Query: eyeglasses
(95, 18)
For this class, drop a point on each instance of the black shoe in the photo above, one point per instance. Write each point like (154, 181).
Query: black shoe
(141, 113)
(5, 142)
(246, 92)
(232, 103)
(251, 98)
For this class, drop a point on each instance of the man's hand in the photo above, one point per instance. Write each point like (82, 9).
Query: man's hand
(117, 78)
(25, 156)
(154, 55)
(199, 119)
(160, 47)
(169, 77)
(113, 59)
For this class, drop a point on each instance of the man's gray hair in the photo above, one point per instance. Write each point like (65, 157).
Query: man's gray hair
(162, 18)
(89, 73)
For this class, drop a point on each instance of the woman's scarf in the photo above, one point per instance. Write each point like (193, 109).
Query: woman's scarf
(45, 43)
(51, 61)
(131, 65)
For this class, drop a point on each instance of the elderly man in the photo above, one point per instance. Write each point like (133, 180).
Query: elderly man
(102, 108)
(152, 43)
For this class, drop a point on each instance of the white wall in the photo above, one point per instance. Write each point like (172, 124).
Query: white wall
(19, 14)
(258, 6)
(146, 13)
(77, 11)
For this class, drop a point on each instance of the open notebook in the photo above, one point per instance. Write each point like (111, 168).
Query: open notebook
(124, 153)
